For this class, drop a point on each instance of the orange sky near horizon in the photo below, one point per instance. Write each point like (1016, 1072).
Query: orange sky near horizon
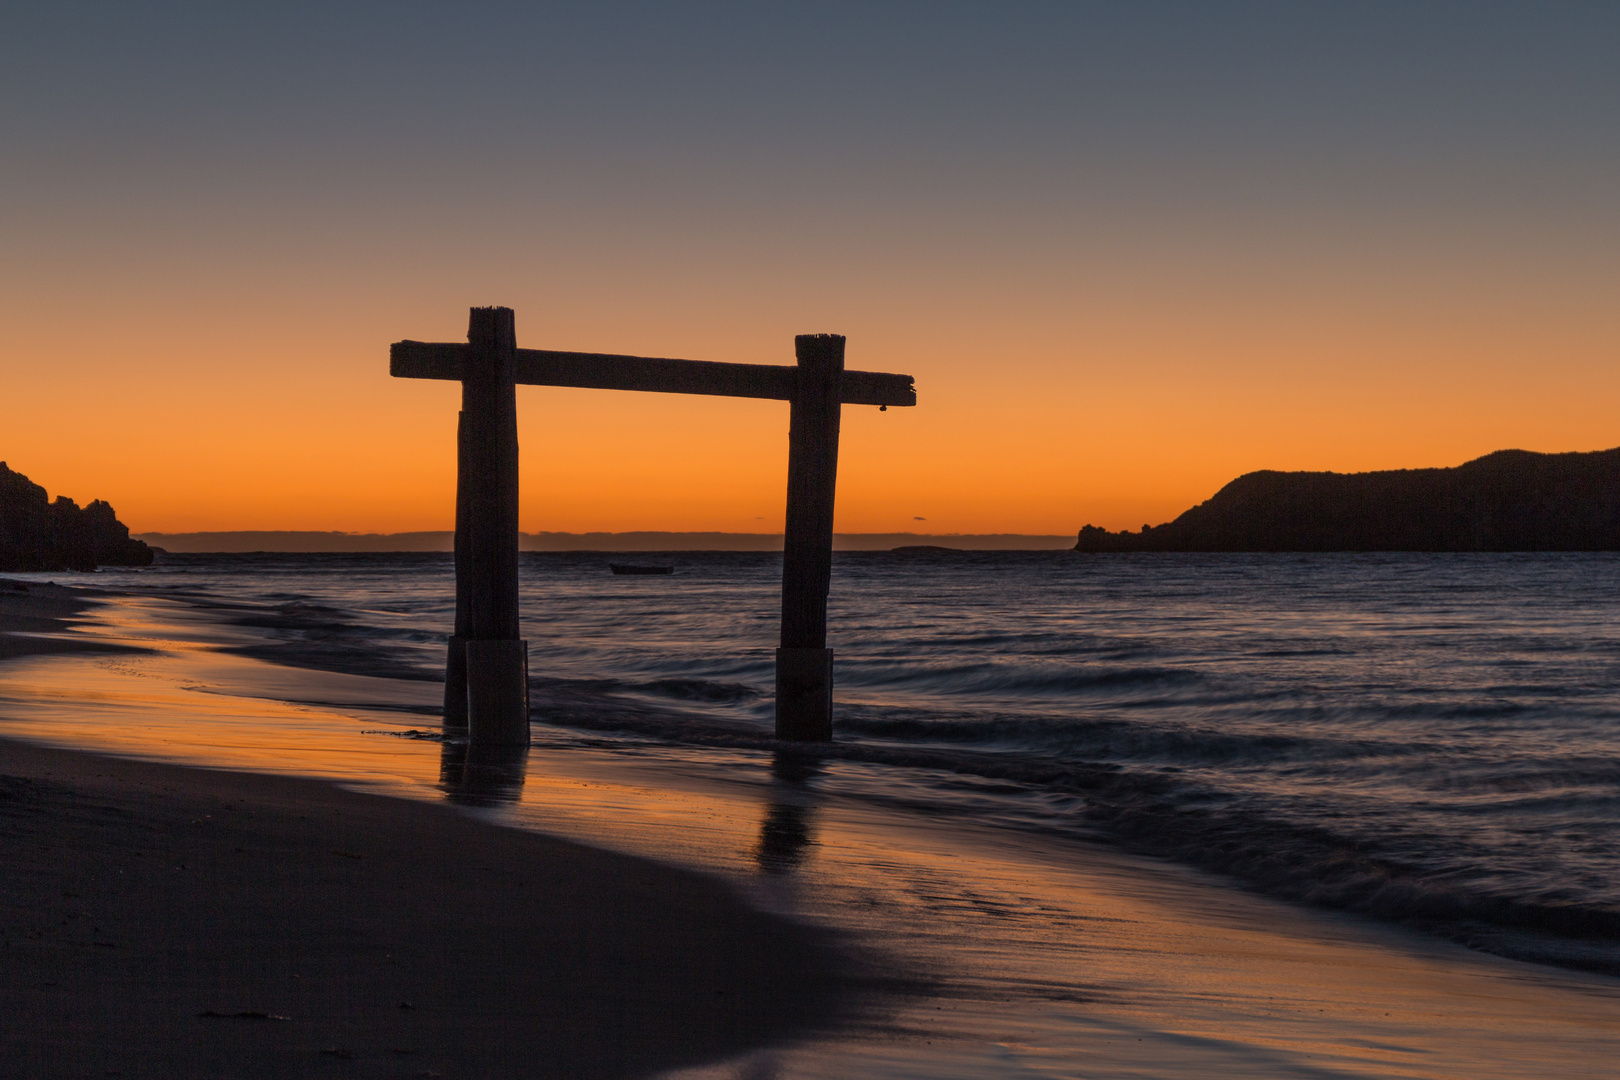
(1105, 324)
(235, 422)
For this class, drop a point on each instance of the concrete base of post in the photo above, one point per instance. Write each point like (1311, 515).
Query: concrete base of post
(455, 683)
(498, 693)
(804, 681)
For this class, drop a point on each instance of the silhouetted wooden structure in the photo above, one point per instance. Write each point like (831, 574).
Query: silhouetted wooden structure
(486, 672)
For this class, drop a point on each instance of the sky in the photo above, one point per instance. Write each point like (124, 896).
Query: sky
(1129, 251)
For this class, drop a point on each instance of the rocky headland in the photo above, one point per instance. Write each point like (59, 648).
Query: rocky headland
(39, 534)
(1512, 500)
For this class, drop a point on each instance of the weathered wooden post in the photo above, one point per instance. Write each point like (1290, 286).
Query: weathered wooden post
(455, 663)
(495, 658)
(804, 678)
(486, 680)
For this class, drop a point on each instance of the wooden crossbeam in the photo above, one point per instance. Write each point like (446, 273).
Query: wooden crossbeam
(607, 371)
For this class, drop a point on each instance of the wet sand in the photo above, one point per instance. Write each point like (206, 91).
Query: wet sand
(161, 921)
(36, 618)
(1042, 958)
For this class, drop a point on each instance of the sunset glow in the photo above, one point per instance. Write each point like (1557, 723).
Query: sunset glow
(1128, 254)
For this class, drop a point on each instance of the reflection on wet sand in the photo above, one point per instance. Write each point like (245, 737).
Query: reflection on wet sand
(476, 774)
(786, 833)
(1059, 959)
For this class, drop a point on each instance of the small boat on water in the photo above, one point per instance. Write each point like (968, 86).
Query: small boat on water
(633, 568)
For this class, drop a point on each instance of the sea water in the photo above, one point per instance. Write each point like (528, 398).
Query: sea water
(1432, 740)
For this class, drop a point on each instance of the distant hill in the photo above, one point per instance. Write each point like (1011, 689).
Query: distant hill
(1512, 500)
(38, 534)
(597, 541)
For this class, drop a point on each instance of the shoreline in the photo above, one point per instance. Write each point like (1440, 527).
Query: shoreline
(36, 619)
(321, 926)
(397, 937)
(1039, 954)
(308, 638)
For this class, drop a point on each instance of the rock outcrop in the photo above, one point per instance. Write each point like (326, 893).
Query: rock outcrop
(38, 534)
(1512, 500)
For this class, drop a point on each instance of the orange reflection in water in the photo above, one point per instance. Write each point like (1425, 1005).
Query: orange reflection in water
(185, 700)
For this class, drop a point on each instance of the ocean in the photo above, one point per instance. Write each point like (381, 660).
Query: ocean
(1427, 740)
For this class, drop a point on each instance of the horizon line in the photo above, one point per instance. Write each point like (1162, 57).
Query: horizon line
(240, 541)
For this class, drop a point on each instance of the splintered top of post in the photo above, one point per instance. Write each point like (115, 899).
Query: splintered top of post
(606, 371)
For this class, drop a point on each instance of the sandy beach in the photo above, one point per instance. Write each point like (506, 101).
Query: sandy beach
(34, 619)
(654, 878)
(167, 922)
(162, 921)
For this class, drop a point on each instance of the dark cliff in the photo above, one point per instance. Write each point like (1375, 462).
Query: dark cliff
(38, 534)
(1512, 500)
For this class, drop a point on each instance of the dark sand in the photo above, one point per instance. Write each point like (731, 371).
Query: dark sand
(137, 897)
(160, 921)
(1046, 960)
(30, 608)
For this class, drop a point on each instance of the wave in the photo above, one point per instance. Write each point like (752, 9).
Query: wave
(1316, 865)
(998, 679)
(1103, 739)
(1422, 741)
(1164, 812)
